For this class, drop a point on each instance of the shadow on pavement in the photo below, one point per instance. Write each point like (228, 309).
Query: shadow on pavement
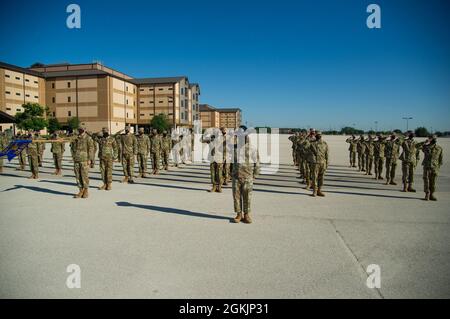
(38, 189)
(172, 210)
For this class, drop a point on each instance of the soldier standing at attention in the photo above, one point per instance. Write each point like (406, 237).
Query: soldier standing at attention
(292, 139)
(361, 150)
(432, 161)
(155, 151)
(391, 152)
(379, 146)
(57, 149)
(118, 138)
(166, 146)
(245, 170)
(107, 153)
(83, 148)
(226, 162)
(369, 155)
(41, 149)
(143, 145)
(22, 156)
(215, 162)
(300, 153)
(33, 156)
(352, 150)
(175, 148)
(3, 145)
(409, 158)
(92, 159)
(129, 150)
(319, 150)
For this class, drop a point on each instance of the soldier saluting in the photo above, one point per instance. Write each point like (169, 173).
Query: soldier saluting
(431, 164)
(409, 158)
(83, 147)
(352, 150)
(319, 149)
(107, 153)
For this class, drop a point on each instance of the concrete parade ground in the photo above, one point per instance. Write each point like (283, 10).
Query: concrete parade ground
(167, 237)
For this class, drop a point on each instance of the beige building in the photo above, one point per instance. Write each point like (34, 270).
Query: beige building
(99, 96)
(220, 117)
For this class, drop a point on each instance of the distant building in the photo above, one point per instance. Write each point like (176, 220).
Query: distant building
(220, 117)
(98, 95)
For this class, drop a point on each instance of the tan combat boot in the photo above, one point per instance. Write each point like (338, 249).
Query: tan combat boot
(36, 176)
(247, 218)
(219, 188)
(392, 182)
(31, 177)
(308, 185)
(238, 218)
(432, 197)
(55, 172)
(319, 193)
(108, 186)
(80, 193)
(213, 189)
(85, 193)
(125, 179)
(410, 188)
(103, 187)
(427, 196)
(405, 188)
(314, 193)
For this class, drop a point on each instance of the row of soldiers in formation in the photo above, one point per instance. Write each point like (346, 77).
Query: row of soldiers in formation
(384, 151)
(311, 155)
(125, 147)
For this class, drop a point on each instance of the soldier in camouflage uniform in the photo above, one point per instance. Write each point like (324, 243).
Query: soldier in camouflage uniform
(215, 161)
(175, 148)
(409, 158)
(3, 145)
(293, 138)
(33, 157)
(309, 158)
(433, 159)
(361, 150)
(166, 146)
(391, 152)
(57, 149)
(369, 155)
(245, 169)
(143, 146)
(129, 151)
(41, 149)
(118, 138)
(155, 151)
(301, 154)
(319, 150)
(379, 146)
(352, 150)
(107, 152)
(22, 157)
(92, 159)
(226, 159)
(83, 147)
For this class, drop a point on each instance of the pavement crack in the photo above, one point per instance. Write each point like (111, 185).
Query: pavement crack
(354, 257)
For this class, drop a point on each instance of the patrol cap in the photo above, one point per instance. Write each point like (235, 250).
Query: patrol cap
(105, 129)
(141, 129)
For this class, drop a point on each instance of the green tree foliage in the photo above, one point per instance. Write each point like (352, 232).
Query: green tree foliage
(160, 122)
(351, 131)
(32, 118)
(421, 132)
(53, 125)
(74, 123)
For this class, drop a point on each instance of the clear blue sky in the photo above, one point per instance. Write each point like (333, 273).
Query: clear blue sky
(285, 63)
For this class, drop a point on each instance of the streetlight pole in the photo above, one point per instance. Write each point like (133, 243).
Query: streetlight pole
(407, 118)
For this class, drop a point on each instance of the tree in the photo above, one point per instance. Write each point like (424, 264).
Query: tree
(351, 131)
(160, 122)
(32, 118)
(421, 132)
(53, 125)
(74, 123)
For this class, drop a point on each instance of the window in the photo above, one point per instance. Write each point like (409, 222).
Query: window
(7, 76)
(69, 99)
(18, 94)
(68, 85)
(142, 90)
(127, 101)
(35, 82)
(36, 97)
(160, 89)
(126, 88)
(161, 101)
(142, 102)
(127, 114)
(8, 109)
(27, 95)
(182, 90)
(69, 113)
(26, 80)
(17, 78)
(7, 92)
(53, 85)
(150, 89)
(170, 89)
(53, 99)
(142, 114)
(134, 90)
(134, 103)
(18, 110)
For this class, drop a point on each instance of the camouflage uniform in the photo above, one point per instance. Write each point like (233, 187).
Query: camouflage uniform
(319, 150)
(92, 159)
(83, 147)
(352, 150)
(155, 151)
(33, 159)
(432, 161)
(216, 165)
(129, 150)
(22, 157)
(226, 172)
(379, 147)
(391, 152)
(3, 145)
(409, 158)
(166, 146)
(57, 149)
(361, 150)
(245, 170)
(41, 149)
(301, 155)
(369, 155)
(118, 138)
(107, 152)
(293, 139)
(143, 146)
